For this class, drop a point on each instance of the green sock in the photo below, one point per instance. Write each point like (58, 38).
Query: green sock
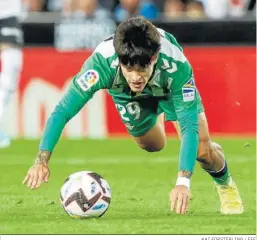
(223, 180)
(221, 177)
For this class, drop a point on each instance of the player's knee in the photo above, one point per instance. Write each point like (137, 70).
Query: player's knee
(204, 149)
(207, 149)
(152, 148)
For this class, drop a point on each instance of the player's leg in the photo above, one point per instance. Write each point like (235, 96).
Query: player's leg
(212, 159)
(210, 155)
(153, 140)
(11, 65)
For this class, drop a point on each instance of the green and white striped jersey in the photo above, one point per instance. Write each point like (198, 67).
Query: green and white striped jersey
(172, 78)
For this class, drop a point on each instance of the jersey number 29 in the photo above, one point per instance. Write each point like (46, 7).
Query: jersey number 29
(132, 108)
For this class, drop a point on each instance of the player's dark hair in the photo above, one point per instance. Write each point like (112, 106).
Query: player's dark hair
(136, 41)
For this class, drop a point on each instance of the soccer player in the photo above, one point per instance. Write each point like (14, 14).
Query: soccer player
(11, 40)
(146, 73)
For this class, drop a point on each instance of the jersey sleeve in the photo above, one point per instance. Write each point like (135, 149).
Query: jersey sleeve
(185, 104)
(173, 40)
(89, 80)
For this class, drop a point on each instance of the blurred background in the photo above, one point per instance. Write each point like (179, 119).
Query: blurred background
(74, 19)
(218, 37)
(152, 9)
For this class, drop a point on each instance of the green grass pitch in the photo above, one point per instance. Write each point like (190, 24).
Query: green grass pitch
(140, 184)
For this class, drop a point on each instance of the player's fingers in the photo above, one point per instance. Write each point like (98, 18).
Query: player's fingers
(173, 199)
(34, 182)
(26, 178)
(179, 203)
(47, 176)
(30, 180)
(184, 204)
(39, 180)
(188, 199)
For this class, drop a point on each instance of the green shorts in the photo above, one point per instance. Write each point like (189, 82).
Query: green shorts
(140, 115)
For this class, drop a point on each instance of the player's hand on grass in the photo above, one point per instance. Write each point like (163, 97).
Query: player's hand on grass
(36, 175)
(39, 172)
(179, 198)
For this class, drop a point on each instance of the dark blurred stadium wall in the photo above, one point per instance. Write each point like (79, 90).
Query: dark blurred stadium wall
(206, 32)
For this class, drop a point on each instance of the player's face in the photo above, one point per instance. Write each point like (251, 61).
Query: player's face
(137, 77)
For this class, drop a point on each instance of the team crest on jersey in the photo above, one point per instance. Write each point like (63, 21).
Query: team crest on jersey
(88, 79)
(188, 91)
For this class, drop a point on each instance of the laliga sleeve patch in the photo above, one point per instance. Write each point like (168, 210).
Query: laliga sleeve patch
(188, 91)
(88, 79)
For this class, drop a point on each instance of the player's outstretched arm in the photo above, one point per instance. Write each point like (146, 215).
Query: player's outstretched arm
(180, 194)
(186, 110)
(66, 109)
(82, 89)
(94, 75)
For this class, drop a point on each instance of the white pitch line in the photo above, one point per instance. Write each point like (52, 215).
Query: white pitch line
(19, 160)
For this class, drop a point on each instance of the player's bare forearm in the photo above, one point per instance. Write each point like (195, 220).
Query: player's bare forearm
(43, 157)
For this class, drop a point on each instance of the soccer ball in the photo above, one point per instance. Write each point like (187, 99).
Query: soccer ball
(85, 194)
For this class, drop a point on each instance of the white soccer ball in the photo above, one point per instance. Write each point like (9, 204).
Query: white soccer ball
(85, 194)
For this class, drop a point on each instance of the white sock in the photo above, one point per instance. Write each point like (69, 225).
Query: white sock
(11, 65)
